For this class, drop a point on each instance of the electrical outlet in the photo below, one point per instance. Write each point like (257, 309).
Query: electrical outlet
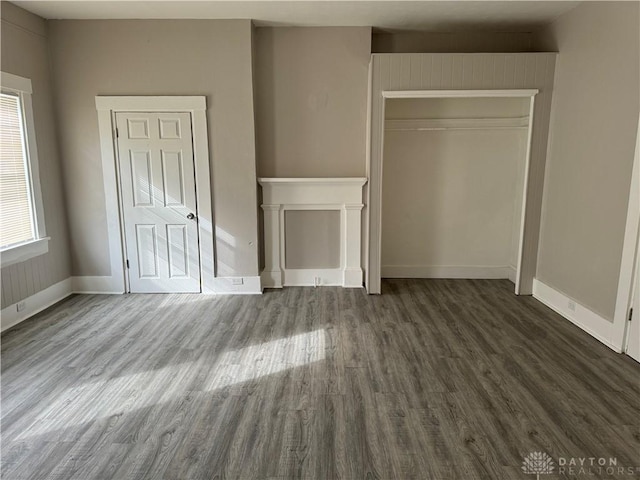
(237, 281)
(571, 305)
(21, 306)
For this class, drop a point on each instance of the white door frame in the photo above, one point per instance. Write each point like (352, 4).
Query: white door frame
(107, 107)
(629, 252)
(375, 195)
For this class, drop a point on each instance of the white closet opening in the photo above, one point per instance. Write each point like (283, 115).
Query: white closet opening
(453, 186)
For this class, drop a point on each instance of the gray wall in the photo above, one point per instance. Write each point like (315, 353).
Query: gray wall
(593, 130)
(449, 42)
(24, 53)
(311, 117)
(157, 57)
(313, 239)
(311, 104)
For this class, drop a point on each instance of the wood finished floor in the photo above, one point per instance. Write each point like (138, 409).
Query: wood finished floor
(435, 379)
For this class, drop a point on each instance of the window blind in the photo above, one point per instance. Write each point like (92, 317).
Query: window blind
(16, 212)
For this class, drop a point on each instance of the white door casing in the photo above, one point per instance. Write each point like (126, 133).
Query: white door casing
(107, 107)
(627, 286)
(375, 196)
(496, 74)
(157, 177)
(633, 336)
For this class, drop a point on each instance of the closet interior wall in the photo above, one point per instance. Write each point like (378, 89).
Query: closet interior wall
(453, 186)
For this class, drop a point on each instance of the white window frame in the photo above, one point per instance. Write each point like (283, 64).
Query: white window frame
(13, 254)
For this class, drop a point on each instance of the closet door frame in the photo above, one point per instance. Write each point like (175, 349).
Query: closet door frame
(630, 250)
(373, 277)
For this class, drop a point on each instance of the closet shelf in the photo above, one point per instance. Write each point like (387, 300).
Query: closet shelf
(427, 124)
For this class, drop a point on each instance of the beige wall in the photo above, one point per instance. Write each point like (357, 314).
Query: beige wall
(149, 57)
(593, 131)
(311, 117)
(311, 104)
(449, 42)
(452, 197)
(24, 53)
(312, 239)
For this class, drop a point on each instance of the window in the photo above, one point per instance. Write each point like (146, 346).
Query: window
(16, 221)
(22, 229)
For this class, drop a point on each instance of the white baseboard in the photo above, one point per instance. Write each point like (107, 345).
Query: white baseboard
(448, 271)
(221, 285)
(109, 285)
(35, 303)
(353, 278)
(228, 285)
(313, 277)
(589, 321)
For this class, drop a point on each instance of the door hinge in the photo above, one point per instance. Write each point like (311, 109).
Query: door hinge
(630, 313)
(117, 133)
(127, 263)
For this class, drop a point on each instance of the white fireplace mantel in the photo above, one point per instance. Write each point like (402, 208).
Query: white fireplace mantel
(282, 194)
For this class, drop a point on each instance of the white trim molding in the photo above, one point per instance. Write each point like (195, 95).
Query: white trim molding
(151, 104)
(24, 251)
(307, 277)
(16, 83)
(43, 299)
(195, 105)
(629, 252)
(589, 321)
(342, 194)
(22, 87)
(510, 93)
(237, 285)
(375, 271)
(449, 271)
(37, 302)
(100, 285)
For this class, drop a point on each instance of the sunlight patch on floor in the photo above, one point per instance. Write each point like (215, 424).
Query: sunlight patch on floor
(268, 358)
(125, 394)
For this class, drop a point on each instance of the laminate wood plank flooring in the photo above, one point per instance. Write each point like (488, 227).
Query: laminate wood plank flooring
(434, 379)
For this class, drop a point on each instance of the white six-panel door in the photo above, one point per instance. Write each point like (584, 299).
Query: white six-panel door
(157, 180)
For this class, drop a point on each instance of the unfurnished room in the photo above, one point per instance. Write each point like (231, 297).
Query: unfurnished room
(319, 240)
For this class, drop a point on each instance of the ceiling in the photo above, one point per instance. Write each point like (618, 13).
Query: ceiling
(390, 15)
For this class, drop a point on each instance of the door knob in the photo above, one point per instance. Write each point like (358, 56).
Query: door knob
(191, 216)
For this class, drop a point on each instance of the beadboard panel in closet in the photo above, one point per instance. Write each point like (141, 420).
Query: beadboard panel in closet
(24, 53)
(450, 71)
